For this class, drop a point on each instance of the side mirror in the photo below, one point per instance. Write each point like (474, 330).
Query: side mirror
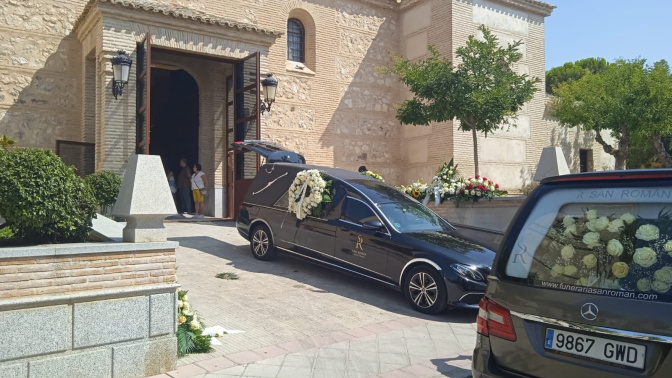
(372, 225)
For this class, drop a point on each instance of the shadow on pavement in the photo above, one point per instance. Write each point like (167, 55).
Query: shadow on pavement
(451, 370)
(317, 277)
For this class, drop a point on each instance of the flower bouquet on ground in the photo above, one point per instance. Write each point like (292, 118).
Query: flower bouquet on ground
(446, 183)
(190, 338)
(374, 175)
(475, 189)
(309, 194)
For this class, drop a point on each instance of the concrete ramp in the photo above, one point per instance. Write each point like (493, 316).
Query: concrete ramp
(105, 229)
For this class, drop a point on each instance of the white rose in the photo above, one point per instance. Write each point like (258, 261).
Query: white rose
(620, 269)
(591, 239)
(660, 286)
(570, 230)
(445, 177)
(591, 214)
(569, 270)
(663, 274)
(599, 224)
(478, 193)
(567, 252)
(473, 192)
(568, 220)
(180, 304)
(185, 305)
(645, 257)
(590, 261)
(185, 298)
(195, 324)
(557, 270)
(616, 225)
(668, 247)
(647, 232)
(614, 247)
(628, 218)
(450, 172)
(644, 284)
(583, 281)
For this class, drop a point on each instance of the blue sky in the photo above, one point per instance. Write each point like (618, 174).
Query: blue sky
(610, 29)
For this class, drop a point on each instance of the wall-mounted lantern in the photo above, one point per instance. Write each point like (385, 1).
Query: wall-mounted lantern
(269, 85)
(121, 68)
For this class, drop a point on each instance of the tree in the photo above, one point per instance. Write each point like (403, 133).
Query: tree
(629, 99)
(573, 71)
(481, 92)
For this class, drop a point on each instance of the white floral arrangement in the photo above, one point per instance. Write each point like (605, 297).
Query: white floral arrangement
(190, 337)
(308, 193)
(610, 251)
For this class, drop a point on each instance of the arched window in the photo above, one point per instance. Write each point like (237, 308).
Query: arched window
(296, 41)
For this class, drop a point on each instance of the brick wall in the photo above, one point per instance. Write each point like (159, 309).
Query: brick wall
(66, 275)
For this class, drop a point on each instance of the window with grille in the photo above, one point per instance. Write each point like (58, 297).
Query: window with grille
(296, 37)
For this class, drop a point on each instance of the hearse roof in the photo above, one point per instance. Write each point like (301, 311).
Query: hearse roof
(338, 173)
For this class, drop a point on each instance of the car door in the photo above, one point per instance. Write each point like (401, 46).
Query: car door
(358, 246)
(315, 235)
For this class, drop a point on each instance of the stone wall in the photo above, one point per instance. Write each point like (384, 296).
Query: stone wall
(88, 310)
(338, 109)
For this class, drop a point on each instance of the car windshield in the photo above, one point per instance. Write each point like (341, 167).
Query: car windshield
(410, 216)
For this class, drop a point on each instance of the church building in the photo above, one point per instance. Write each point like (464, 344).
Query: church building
(195, 68)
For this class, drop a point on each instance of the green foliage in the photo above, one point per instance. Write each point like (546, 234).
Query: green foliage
(630, 100)
(42, 199)
(227, 276)
(6, 143)
(105, 186)
(6, 237)
(190, 338)
(482, 92)
(573, 71)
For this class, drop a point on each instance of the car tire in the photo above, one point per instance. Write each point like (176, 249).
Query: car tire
(425, 290)
(261, 243)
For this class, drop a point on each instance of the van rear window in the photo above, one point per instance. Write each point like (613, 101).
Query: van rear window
(614, 242)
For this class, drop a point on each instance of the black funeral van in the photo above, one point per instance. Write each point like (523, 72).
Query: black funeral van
(370, 229)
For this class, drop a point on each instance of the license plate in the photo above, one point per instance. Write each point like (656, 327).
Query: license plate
(607, 350)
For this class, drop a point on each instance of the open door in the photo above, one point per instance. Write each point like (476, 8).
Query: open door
(246, 125)
(144, 70)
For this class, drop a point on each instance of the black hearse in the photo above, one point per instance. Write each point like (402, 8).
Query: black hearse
(370, 229)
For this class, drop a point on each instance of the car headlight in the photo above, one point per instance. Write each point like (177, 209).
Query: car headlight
(468, 272)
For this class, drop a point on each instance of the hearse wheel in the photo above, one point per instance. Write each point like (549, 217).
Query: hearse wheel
(261, 243)
(425, 290)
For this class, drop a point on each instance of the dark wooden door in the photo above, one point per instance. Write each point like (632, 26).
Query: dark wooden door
(245, 125)
(142, 121)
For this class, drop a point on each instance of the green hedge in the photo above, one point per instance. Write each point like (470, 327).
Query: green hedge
(42, 199)
(105, 186)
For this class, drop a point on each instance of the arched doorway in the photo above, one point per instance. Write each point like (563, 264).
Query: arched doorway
(174, 117)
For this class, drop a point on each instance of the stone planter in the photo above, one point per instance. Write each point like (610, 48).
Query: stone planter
(88, 310)
(485, 221)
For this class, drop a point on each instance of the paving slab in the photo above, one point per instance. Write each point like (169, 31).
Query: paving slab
(302, 320)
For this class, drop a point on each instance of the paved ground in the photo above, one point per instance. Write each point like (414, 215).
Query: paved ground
(302, 320)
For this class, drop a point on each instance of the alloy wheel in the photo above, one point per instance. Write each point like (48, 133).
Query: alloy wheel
(423, 290)
(260, 242)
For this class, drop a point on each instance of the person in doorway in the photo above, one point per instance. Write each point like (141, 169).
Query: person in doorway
(172, 184)
(184, 187)
(198, 184)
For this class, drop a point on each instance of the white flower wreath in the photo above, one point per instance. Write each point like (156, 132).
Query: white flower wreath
(305, 193)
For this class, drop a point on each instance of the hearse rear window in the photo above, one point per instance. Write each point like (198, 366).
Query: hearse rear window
(613, 242)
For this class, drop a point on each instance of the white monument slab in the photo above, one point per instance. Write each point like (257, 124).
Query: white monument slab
(144, 200)
(551, 163)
